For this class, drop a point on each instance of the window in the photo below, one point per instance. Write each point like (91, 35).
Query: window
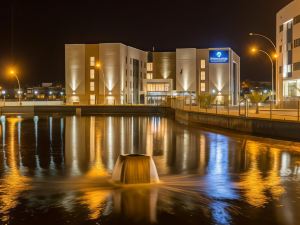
(297, 43)
(92, 86)
(149, 67)
(202, 75)
(92, 61)
(202, 62)
(92, 99)
(280, 48)
(289, 25)
(296, 66)
(158, 87)
(280, 69)
(202, 87)
(289, 68)
(281, 28)
(149, 76)
(297, 19)
(130, 60)
(92, 74)
(141, 64)
(289, 46)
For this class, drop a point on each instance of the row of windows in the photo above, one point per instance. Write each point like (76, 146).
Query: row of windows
(289, 46)
(290, 67)
(158, 87)
(297, 43)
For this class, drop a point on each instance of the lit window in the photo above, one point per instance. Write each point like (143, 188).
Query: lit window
(92, 74)
(150, 67)
(149, 76)
(289, 68)
(92, 99)
(202, 62)
(92, 86)
(92, 61)
(202, 75)
(202, 87)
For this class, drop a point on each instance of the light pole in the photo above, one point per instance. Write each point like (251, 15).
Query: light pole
(275, 54)
(99, 67)
(254, 50)
(3, 93)
(13, 73)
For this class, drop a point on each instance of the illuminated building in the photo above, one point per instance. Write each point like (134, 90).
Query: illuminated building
(104, 73)
(192, 71)
(119, 74)
(288, 48)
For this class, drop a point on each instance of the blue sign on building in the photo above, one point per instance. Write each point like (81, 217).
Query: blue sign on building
(218, 56)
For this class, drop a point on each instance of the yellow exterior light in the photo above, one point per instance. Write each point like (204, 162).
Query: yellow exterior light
(253, 49)
(275, 56)
(98, 64)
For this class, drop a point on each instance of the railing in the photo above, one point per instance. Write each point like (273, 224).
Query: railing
(272, 110)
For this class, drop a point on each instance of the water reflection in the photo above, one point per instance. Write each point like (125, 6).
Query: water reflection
(65, 164)
(13, 181)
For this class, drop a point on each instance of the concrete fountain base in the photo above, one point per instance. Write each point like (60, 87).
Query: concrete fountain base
(135, 169)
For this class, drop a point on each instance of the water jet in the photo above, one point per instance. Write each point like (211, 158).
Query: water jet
(135, 169)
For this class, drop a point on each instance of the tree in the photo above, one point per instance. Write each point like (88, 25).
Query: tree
(257, 97)
(206, 100)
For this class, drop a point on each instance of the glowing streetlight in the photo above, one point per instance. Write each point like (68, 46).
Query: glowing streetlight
(3, 92)
(255, 50)
(13, 72)
(275, 56)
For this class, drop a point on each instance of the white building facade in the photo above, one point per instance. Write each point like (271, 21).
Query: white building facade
(288, 48)
(104, 73)
(119, 74)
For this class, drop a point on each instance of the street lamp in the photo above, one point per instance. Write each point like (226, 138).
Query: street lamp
(3, 93)
(265, 37)
(254, 51)
(274, 48)
(13, 72)
(99, 67)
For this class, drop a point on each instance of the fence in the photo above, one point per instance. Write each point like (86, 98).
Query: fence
(283, 110)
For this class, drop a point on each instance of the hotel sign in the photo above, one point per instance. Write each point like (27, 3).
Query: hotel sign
(218, 56)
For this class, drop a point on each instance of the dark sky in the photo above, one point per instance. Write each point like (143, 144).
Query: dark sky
(41, 28)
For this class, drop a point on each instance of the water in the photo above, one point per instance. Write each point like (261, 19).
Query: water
(57, 170)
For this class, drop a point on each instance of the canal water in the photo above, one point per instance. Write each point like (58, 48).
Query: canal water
(57, 170)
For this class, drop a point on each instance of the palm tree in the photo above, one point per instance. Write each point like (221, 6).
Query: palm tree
(257, 97)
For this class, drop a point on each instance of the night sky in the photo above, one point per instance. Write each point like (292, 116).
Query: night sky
(41, 29)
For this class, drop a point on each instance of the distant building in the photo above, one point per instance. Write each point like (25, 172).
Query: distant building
(126, 75)
(288, 47)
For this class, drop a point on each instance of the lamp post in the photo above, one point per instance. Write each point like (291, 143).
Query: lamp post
(14, 73)
(254, 50)
(3, 93)
(99, 67)
(275, 53)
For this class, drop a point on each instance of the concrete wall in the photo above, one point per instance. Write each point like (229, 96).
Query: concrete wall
(164, 65)
(259, 127)
(75, 72)
(186, 69)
